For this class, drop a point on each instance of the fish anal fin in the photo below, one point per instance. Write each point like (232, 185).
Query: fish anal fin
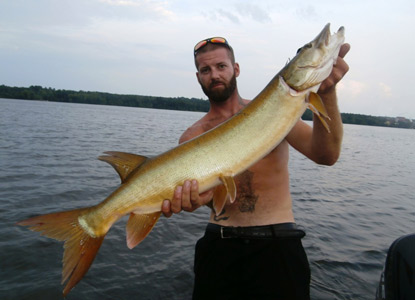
(224, 193)
(316, 105)
(139, 226)
(123, 163)
(80, 247)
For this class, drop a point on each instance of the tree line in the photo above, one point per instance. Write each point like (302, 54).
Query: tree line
(178, 103)
(68, 96)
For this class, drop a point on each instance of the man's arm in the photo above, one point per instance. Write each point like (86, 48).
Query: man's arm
(315, 142)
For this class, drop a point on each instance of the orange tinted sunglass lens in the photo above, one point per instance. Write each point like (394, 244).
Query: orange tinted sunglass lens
(214, 40)
(200, 44)
(218, 40)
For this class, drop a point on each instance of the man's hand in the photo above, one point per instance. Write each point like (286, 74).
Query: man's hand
(186, 198)
(339, 70)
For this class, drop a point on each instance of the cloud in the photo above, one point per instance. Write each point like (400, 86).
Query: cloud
(254, 11)
(386, 90)
(243, 11)
(223, 14)
(77, 14)
(145, 6)
(307, 12)
(122, 2)
(352, 88)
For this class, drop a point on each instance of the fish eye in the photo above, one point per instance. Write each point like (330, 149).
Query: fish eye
(305, 46)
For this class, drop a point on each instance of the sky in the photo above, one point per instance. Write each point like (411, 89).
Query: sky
(145, 47)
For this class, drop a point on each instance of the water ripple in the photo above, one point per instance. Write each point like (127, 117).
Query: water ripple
(351, 212)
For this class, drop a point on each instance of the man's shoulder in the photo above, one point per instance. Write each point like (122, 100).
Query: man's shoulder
(198, 128)
(206, 123)
(212, 119)
(190, 133)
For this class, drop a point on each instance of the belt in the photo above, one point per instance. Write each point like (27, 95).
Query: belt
(283, 230)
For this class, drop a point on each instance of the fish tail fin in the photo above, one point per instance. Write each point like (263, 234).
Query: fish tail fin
(80, 248)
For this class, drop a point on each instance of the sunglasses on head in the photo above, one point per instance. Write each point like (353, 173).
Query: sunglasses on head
(214, 40)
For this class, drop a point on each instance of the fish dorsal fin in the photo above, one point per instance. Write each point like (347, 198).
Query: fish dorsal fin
(223, 193)
(123, 163)
(316, 105)
(139, 226)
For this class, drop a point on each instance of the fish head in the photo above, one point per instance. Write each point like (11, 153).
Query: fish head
(314, 61)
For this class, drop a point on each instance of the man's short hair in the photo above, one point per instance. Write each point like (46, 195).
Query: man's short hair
(210, 47)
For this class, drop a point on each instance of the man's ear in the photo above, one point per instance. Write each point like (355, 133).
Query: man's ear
(236, 69)
(197, 76)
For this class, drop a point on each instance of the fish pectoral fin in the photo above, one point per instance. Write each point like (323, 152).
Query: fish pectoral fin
(139, 226)
(224, 193)
(315, 100)
(230, 186)
(123, 163)
(219, 199)
(316, 105)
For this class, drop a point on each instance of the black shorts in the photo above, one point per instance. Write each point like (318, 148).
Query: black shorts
(251, 268)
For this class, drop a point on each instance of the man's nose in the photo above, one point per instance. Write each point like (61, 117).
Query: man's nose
(214, 73)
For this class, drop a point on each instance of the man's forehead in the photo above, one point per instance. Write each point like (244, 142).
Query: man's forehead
(213, 56)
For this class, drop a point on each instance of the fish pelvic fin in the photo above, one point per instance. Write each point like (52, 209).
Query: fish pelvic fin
(123, 163)
(139, 226)
(224, 193)
(316, 105)
(80, 248)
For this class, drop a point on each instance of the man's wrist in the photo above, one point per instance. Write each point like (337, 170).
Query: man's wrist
(327, 93)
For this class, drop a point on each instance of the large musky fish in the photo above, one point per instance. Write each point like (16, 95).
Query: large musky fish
(213, 159)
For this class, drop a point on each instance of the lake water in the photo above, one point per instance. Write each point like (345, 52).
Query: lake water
(351, 212)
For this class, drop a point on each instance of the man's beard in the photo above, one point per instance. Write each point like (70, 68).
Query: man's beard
(219, 96)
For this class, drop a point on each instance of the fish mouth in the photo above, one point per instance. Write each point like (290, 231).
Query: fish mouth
(314, 61)
(325, 39)
(328, 44)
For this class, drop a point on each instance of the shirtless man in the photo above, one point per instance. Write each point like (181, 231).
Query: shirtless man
(253, 249)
